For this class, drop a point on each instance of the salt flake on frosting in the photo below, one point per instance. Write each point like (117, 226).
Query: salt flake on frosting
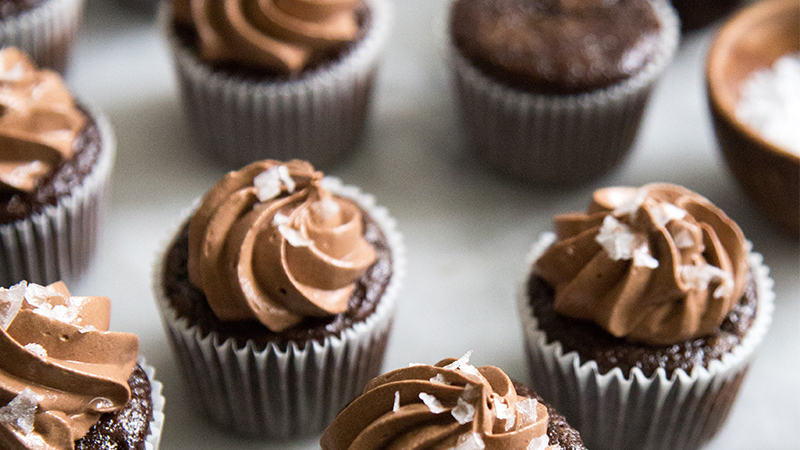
(36, 349)
(540, 443)
(527, 409)
(439, 378)
(622, 244)
(464, 412)
(10, 303)
(683, 239)
(664, 213)
(504, 412)
(432, 403)
(87, 329)
(470, 441)
(699, 277)
(37, 296)
(463, 365)
(293, 236)
(630, 205)
(326, 208)
(270, 182)
(396, 405)
(20, 410)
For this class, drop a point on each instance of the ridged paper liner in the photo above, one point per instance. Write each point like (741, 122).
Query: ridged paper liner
(318, 117)
(157, 422)
(47, 32)
(639, 412)
(282, 393)
(557, 139)
(58, 242)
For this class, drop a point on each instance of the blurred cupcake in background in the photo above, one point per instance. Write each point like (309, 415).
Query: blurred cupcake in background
(66, 382)
(45, 29)
(641, 317)
(278, 78)
(57, 156)
(696, 14)
(277, 294)
(553, 91)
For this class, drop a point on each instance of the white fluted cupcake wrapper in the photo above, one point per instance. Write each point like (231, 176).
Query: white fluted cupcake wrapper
(58, 242)
(318, 118)
(282, 393)
(46, 32)
(558, 139)
(639, 412)
(157, 422)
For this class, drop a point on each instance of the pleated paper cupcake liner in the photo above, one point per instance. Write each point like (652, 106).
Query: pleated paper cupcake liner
(319, 118)
(59, 242)
(157, 422)
(46, 32)
(558, 139)
(613, 411)
(279, 393)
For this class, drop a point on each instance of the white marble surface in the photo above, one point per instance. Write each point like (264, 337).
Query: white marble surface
(467, 231)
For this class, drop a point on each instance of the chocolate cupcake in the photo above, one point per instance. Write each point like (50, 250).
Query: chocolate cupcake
(641, 317)
(278, 295)
(279, 78)
(66, 382)
(45, 29)
(697, 14)
(450, 405)
(552, 91)
(57, 158)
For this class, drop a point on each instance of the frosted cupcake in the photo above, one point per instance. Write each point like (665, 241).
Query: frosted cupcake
(45, 29)
(553, 91)
(57, 157)
(641, 317)
(279, 78)
(450, 405)
(278, 294)
(66, 382)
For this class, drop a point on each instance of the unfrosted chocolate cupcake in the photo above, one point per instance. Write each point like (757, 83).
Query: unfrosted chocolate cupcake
(278, 295)
(57, 158)
(651, 296)
(552, 91)
(449, 405)
(66, 382)
(277, 79)
(45, 29)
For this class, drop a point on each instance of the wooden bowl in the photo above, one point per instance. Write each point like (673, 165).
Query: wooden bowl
(751, 40)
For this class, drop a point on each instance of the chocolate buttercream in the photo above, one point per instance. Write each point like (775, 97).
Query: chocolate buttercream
(269, 243)
(39, 122)
(451, 405)
(282, 35)
(658, 264)
(61, 368)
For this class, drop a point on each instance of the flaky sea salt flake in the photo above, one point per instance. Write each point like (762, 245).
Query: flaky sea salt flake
(643, 258)
(470, 441)
(527, 409)
(432, 403)
(286, 179)
(540, 443)
(10, 303)
(463, 412)
(326, 208)
(396, 405)
(617, 239)
(36, 349)
(87, 329)
(683, 239)
(664, 213)
(267, 184)
(463, 365)
(700, 276)
(20, 410)
(504, 412)
(293, 236)
(438, 378)
(629, 206)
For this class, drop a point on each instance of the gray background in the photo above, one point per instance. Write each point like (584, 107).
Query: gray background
(467, 231)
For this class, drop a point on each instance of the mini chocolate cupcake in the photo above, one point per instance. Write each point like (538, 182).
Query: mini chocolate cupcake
(553, 91)
(641, 317)
(451, 405)
(66, 382)
(278, 78)
(57, 156)
(45, 29)
(278, 295)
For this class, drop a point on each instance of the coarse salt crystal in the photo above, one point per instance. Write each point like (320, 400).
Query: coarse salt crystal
(396, 405)
(623, 244)
(527, 409)
(36, 349)
(540, 443)
(438, 378)
(464, 412)
(699, 277)
(770, 103)
(20, 410)
(326, 208)
(10, 303)
(504, 412)
(267, 184)
(664, 213)
(630, 204)
(463, 365)
(432, 403)
(683, 239)
(470, 441)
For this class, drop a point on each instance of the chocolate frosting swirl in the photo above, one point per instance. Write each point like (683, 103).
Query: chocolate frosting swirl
(658, 264)
(269, 243)
(60, 367)
(39, 122)
(281, 35)
(446, 406)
